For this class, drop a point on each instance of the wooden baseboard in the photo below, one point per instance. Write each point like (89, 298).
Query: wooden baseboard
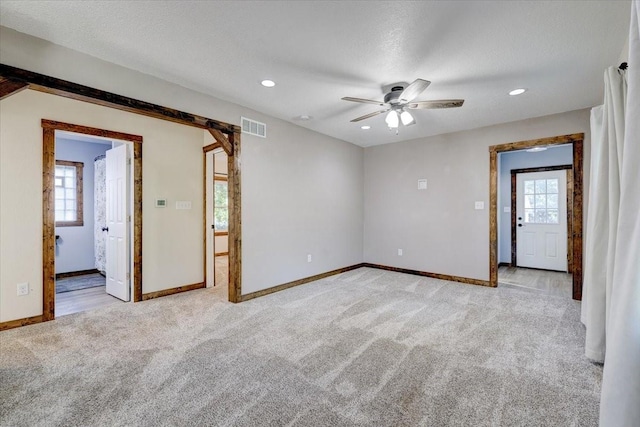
(284, 286)
(179, 289)
(432, 275)
(77, 273)
(504, 264)
(221, 253)
(21, 322)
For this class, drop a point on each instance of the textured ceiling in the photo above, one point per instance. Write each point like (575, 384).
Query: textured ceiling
(320, 51)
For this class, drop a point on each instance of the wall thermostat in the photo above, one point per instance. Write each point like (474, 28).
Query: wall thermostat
(161, 203)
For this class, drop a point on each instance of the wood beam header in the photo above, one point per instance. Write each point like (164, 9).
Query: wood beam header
(9, 87)
(67, 89)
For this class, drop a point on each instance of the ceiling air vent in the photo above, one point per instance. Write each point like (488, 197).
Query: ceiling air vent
(254, 128)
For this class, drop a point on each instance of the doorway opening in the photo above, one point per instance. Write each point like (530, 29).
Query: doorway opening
(541, 214)
(536, 237)
(217, 219)
(92, 217)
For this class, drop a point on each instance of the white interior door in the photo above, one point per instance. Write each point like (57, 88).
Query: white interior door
(117, 233)
(541, 236)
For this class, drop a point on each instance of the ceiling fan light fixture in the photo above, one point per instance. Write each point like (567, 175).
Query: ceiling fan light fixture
(407, 118)
(392, 119)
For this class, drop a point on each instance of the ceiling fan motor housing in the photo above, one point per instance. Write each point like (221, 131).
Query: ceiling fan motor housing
(392, 97)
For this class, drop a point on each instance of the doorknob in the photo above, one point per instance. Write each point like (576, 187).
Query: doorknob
(519, 225)
(105, 229)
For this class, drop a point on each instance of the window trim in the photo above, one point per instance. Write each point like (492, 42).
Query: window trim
(79, 221)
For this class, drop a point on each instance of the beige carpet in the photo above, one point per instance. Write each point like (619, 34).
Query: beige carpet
(365, 348)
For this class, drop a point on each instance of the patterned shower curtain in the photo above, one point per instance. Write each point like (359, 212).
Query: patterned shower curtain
(100, 212)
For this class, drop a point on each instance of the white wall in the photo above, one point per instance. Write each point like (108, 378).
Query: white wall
(438, 229)
(554, 156)
(75, 248)
(303, 186)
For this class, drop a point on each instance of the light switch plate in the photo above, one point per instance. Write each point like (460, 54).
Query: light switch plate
(479, 205)
(507, 209)
(422, 184)
(183, 205)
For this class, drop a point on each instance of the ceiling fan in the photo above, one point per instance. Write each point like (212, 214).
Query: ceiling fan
(399, 100)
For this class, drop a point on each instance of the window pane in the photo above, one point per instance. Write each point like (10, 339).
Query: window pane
(529, 187)
(552, 201)
(552, 216)
(541, 216)
(529, 215)
(552, 186)
(66, 193)
(528, 202)
(541, 201)
(541, 186)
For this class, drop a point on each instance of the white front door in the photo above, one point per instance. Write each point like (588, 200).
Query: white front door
(117, 234)
(541, 236)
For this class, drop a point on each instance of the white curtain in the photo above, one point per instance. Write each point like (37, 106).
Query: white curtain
(607, 139)
(620, 402)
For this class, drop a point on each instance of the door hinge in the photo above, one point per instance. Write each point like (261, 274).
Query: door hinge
(129, 161)
(128, 276)
(129, 218)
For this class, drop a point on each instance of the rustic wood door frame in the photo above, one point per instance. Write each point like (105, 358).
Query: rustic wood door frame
(14, 80)
(577, 141)
(49, 127)
(514, 192)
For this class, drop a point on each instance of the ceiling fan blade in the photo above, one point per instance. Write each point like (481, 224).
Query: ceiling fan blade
(368, 116)
(413, 90)
(441, 103)
(363, 101)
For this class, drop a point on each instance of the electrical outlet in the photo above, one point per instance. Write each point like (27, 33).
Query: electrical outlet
(399, 252)
(308, 257)
(23, 289)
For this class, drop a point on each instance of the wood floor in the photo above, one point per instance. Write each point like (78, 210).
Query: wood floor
(83, 300)
(548, 282)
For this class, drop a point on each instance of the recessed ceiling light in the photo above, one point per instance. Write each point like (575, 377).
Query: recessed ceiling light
(268, 83)
(536, 149)
(305, 117)
(517, 92)
(365, 127)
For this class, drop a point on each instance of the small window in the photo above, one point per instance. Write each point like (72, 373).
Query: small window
(221, 204)
(541, 201)
(68, 193)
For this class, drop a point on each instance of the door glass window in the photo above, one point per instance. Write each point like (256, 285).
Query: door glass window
(541, 201)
